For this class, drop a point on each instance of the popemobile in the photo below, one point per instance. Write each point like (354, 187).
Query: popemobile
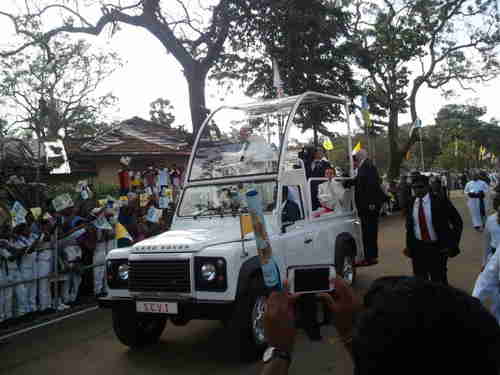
(206, 266)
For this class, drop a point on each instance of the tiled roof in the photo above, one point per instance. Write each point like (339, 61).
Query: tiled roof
(138, 136)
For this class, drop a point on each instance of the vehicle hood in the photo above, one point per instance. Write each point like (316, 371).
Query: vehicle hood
(186, 241)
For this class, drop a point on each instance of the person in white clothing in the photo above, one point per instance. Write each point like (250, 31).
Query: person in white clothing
(103, 238)
(492, 232)
(477, 194)
(45, 266)
(331, 193)
(28, 264)
(12, 250)
(488, 284)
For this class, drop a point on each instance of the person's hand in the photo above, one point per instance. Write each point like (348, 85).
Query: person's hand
(279, 321)
(344, 304)
(406, 252)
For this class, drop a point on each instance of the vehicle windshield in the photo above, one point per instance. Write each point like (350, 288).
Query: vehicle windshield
(242, 141)
(225, 199)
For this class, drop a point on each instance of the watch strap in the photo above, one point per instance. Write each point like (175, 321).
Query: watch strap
(272, 353)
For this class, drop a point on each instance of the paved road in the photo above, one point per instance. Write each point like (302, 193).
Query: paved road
(86, 344)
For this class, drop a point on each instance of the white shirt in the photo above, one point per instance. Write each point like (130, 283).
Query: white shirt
(426, 201)
(476, 186)
(491, 236)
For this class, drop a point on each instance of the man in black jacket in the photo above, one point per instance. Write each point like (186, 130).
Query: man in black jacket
(368, 196)
(315, 166)
(433, 231)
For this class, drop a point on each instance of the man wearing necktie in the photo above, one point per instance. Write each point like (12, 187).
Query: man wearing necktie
(433, 231)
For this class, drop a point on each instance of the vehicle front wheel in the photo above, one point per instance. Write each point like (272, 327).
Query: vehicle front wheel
(246, 326)
(344, 264)
(135, 330)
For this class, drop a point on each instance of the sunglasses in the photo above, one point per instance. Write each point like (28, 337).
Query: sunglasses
(419, 186)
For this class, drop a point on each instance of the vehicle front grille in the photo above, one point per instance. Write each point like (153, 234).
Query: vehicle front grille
(160, 276)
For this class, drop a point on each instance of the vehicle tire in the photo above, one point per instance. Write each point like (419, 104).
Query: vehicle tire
(345, 257)
(135, 330)
(245, 328)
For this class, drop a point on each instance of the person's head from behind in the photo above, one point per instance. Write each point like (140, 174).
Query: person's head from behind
(359, 156)
(317, 154)
(420, 185)
(412, 326)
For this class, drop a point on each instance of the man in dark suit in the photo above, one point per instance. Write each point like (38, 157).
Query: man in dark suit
(433, 231)
(315, 167)
(368, 196)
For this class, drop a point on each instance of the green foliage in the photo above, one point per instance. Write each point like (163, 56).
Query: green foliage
(52, 92)
(161, 112)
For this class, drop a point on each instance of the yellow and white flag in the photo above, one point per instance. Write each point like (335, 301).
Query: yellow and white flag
(356, 148)
(246, 225)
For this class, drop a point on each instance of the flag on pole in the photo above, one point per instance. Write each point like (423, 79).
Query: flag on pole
(277, 82)
(245, 225)
(365, 111)
(328, 145)
(356, 148)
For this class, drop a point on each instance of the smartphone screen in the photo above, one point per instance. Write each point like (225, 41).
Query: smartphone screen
(312, 279)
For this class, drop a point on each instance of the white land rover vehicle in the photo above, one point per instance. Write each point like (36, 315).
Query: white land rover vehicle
(203, 268)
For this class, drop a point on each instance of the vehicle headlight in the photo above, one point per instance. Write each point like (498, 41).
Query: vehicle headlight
(208, 272)
(123, 271)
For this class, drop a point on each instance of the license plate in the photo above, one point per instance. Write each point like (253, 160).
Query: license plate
(157, 307)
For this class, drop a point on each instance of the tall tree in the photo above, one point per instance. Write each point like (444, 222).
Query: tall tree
(161, 112)
(53, 91)
(194, 37)
(307, 40)
(403, 45)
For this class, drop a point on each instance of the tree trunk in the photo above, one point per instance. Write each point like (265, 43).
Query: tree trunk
(395, 155)
(196, 85)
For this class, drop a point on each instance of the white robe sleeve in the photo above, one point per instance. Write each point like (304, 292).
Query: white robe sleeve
(488, 281)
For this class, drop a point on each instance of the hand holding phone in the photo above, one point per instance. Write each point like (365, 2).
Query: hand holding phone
(311, 279)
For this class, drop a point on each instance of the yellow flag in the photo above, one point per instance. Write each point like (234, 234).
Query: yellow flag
(356, 148)
(245, 225)
(328, 145)
(122, 232)
(36, 211)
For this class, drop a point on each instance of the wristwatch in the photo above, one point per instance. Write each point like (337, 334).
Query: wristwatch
(272, 353)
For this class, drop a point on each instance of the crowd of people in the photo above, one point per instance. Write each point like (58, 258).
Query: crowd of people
(53, 258)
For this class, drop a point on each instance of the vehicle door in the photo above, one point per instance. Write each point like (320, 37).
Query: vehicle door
(336, 215)
(297, 236)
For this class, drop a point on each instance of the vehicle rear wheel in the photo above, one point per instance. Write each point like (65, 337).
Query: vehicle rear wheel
(344, 264)
(246, 327)
(135, 330)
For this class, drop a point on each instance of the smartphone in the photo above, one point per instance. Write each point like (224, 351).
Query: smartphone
(311, 279)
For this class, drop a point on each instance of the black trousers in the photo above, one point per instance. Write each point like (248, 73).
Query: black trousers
(369, 229)
(429, 263)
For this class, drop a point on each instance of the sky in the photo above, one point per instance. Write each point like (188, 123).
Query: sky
(149, 73)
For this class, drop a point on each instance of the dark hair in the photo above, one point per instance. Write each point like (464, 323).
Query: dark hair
(414, 326)
(420, 179)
